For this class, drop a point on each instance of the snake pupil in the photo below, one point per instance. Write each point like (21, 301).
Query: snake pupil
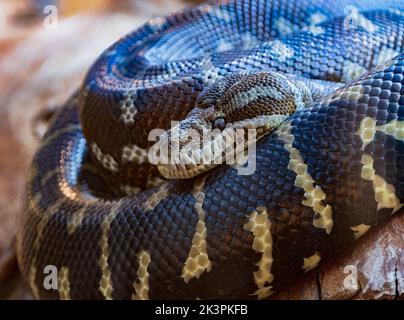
(219, 123)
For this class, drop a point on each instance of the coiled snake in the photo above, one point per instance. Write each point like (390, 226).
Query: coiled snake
(101, 214)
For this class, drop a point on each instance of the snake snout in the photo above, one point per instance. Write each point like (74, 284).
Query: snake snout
(180, 149)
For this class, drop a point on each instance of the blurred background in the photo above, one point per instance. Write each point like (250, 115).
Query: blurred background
(46, 47)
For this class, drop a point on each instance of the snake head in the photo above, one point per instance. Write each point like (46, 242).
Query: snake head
(225, 118)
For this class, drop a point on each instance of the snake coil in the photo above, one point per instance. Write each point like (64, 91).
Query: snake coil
(100, 213)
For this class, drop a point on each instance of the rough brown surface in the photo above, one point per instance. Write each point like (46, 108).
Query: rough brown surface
(373, 270)
(40, 68)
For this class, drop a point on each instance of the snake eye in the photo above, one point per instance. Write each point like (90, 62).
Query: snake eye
(219, 123)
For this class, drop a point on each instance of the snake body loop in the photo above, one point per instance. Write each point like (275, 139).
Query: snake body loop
(114, 228)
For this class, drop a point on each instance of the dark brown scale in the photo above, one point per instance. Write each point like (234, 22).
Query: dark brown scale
(268, 105)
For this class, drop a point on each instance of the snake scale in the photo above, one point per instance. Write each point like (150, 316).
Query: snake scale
(99, 212)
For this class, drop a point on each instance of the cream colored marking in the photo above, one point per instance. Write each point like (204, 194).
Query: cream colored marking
(360, 230)
(58, 133)
(260, 226)
(130, 190)
(317, 18)
(106, 287)
(141, 286)
(128, 108)
(107, 161)
(352, 71)
(75, 220)
(310, 263)
(224, 46)
(301, 95)
(153, 181)
(385, 55)
(64, 284)
(368, 129)
(156, 23)
(397, 11)
(394, 128)
(242, 99)
(271, 121)
(284, 26)
(156, 197)
(315, 30)
(248, 40)
(281, 50)
(32, 174)
(45, 216)
(43, 221)
(314, 196)
(206, 8)
(31, 279)
(366, 23)
(198, 260)
(210, 75)
(350, 93)
(210, 72)
(33, 205)
(385, 193)
(135, 154)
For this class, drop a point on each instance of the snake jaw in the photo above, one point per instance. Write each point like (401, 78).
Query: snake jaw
(183, 150)
(186, 158)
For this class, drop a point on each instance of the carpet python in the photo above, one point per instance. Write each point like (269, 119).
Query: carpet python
(323, 78)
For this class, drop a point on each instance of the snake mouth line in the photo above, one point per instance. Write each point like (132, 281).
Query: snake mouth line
(186, 160)
(182, 172)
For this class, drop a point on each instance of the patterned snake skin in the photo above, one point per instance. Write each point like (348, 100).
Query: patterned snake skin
(99, 213)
